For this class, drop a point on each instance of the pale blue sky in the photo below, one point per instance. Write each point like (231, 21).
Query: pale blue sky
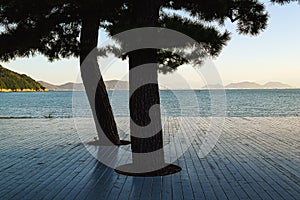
(274, 55)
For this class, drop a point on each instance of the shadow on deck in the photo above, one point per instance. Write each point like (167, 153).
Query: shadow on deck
(255, 158)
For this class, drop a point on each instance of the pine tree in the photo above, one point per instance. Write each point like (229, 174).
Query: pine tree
(251, 18)
(52, 28)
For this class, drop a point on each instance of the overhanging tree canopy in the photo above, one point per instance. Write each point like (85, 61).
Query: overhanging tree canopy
(251, 18)
(59, 29)
(53, 28)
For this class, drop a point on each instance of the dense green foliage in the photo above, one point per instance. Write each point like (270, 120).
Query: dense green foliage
(15, 81)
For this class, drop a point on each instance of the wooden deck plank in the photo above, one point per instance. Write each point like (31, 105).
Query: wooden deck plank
(259, 171)
(157, 188)
(255, 158)
(279, 178)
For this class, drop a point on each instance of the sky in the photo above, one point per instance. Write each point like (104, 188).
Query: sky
(274, 55)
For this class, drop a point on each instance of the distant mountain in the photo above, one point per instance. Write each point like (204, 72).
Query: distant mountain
(213, 86)
(117, 85)
(249, 85)
(110, 85)
(13, 82)
(49, 86)
(124, 85)
(66, 86)
(276, 85)
(71, 86)
(253, 85)
(243, 85)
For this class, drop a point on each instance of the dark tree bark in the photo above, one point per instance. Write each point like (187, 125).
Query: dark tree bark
(147, 148)
(142, 99)
(95, 88)
(146, 13)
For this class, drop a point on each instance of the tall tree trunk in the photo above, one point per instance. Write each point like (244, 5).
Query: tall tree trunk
(94, 84)
(146, 144)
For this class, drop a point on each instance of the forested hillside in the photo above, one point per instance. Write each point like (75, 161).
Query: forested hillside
(12, 81)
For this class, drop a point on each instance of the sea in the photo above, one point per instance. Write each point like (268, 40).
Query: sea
(234, 103)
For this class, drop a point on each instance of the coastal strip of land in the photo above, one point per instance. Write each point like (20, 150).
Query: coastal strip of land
(254, 158)
(23, 90)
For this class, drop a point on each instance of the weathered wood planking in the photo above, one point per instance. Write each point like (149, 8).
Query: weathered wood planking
(255, 158)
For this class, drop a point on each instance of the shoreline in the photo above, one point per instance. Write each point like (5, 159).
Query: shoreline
(163, 117)
(201, 89)
(23, 90)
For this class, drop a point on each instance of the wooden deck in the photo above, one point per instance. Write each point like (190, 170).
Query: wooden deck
(255, 158)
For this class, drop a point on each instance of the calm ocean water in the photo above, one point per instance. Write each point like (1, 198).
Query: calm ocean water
(240, 103)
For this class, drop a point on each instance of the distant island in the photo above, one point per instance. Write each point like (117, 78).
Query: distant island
(110, 85)
(250, 85)
(124, 85)
(13, 82)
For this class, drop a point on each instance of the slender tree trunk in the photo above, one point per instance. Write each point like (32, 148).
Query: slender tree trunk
(94, 84)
